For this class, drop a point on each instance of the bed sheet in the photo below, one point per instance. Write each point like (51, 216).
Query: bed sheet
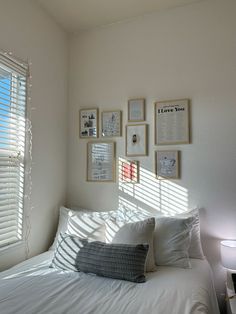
(33, 288)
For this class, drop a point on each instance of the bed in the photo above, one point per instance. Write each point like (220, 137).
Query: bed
(178, 277)
(32, 287)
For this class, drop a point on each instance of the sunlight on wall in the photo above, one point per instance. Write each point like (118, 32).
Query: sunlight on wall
(151, 195)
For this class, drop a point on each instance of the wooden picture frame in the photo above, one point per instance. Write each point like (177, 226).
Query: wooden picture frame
(101, 161)
(136, 140)
(136, 110)
(129, 171)
(111, 122)
(88, 123)
(167, 164)
(172, 122)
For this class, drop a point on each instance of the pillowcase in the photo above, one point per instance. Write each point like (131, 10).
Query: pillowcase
(62, 225)
(86, 225)
(66, 252)
(195, 248)
(118, 261)
(172, 240)
(133, 233)
(74, 226)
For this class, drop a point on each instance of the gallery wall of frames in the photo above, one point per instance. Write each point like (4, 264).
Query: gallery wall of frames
(171, 128)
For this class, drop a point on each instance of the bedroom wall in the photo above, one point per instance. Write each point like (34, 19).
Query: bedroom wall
(187, 52)
(29, 33)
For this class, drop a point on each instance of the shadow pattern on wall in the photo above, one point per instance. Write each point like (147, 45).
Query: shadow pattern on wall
(150, 196)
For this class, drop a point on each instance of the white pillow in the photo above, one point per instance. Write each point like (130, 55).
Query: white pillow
(140, 232)
(195, 248)
(74, 227)
(86, 225)
(172, 240)
(62, 225)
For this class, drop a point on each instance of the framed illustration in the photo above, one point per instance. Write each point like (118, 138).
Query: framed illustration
(167, 164)
(172, 122)
(129, 171)
(136, 110)
(88, 123)
(111, 123)
(101, 161)
(136, 140)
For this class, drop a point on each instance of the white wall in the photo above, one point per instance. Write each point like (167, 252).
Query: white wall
(187, 52)
(30, 34)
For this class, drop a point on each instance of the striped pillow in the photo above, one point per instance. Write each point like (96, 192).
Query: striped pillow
(66, 252)
(119, 261)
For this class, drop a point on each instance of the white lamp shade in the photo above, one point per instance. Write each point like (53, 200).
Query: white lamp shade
(228, 254)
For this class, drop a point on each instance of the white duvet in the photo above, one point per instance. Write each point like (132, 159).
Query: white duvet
(32, 288)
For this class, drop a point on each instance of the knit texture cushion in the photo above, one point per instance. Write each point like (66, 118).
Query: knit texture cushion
(118, 261)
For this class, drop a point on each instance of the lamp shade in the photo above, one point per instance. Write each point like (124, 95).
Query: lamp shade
(228, 254)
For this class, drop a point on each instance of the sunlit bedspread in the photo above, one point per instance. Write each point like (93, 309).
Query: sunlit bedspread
(33, 288)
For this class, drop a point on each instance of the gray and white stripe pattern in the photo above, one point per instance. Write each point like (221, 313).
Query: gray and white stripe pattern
(66, 252)
(119, 261)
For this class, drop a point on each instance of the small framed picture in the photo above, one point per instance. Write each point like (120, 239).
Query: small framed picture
(88, 123)
(129, 171)
(172, 122)
(167, 164)
(136, 110)
(111, 123)
(136, 140)
(101, 161)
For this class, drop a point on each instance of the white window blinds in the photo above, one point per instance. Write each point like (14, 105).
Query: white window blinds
(13, 85)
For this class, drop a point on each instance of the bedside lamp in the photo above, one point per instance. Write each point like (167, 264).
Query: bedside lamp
(228, 258)
(228, 254)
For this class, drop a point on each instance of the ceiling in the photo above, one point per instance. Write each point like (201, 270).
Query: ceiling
(76, 15)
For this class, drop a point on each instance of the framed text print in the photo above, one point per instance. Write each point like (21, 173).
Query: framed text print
(101, 161)
(111, 123)
(172, 122)
(136, 110)
(167, 164)
(136, 140)
(88, 123)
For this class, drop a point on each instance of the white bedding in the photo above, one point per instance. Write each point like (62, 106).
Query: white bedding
(33, 288)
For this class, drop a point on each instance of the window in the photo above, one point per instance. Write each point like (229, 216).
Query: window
(13, 85)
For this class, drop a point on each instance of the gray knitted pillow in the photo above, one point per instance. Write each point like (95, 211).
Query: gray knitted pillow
(119, 261)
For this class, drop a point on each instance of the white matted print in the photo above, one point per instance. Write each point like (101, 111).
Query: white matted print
(136, 140)
(172, 122)
(136, 110)
(88, 123)
(167, 164)
(111, 123)
(101, 161)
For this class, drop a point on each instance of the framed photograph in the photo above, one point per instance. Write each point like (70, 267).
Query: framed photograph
(88, 123)
(167, 164)
(136, 140)
(111, 123)
(172, 122)
(129, 171)
(101, 161)
(136, 110)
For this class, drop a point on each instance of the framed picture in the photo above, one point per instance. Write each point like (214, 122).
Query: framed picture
(101, 161)
(129, 171)
(111, 123)
(136, 110)
(88, 123)
(167, 164)
(136, 140)
(172, 122)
